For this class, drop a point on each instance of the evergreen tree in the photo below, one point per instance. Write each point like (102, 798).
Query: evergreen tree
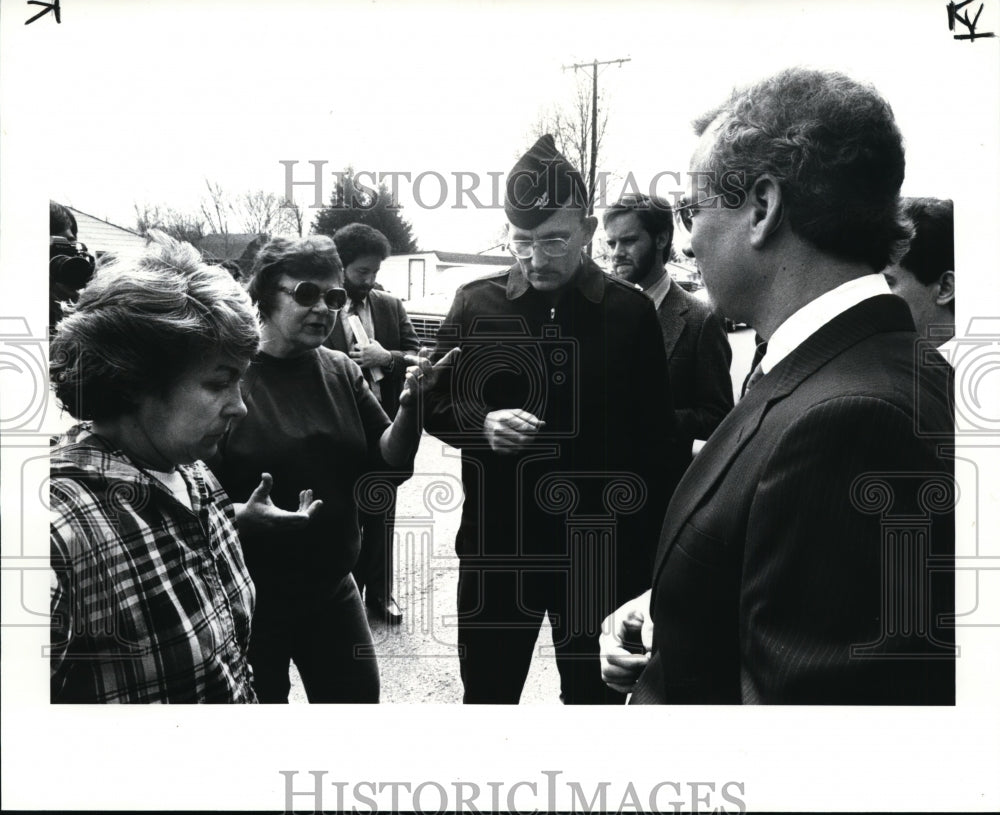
(353, 202)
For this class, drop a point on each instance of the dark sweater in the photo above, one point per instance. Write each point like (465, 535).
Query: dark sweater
(312, 423)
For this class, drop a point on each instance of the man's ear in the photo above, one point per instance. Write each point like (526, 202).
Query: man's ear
(945, 293)
(661, 242)
(764, 204)
(589, 228)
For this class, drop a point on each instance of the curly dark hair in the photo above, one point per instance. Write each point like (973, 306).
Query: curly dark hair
(140, 322)
(301, 258)
(834, 147)
(932, 250)
(655, 215)
(359, 240)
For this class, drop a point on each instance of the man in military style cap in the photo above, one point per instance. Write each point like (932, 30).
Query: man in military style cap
(561, 405)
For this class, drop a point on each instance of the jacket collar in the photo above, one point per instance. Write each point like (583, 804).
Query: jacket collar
(92, 459)
(675, 299)
(671, 312)
(876, 315)
(801, 325)
(589, 279)
(657, 285)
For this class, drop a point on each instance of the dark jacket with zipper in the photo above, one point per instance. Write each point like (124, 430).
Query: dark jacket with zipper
(593, 367)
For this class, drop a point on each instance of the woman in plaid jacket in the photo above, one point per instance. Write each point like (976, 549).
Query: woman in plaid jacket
(151, 600)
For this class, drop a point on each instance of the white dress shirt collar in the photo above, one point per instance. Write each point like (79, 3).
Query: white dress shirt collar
(656, 286)
(814, 315)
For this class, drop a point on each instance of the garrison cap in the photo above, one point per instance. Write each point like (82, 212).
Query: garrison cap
(540, 183)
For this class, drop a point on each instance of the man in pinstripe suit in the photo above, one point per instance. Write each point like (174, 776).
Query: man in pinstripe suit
(807, 555)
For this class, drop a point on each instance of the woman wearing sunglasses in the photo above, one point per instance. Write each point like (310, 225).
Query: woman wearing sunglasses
(313, 429)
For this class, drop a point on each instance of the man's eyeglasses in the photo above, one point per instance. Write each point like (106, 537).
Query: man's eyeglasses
(308, 294)
(553, 247)
(684, 209)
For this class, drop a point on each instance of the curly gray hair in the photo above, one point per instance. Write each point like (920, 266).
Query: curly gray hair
(834, 147)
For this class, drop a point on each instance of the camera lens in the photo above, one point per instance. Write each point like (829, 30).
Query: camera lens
(72, 272)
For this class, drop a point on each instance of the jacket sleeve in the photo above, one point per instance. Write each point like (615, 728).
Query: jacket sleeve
(60, 609)
(713, 396)
(450, 412)
(409, 342)
(64, 539)
(654, 370)
(651, 451)
(826, 564)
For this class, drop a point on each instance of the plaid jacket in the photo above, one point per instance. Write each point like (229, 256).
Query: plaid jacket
(150, 601)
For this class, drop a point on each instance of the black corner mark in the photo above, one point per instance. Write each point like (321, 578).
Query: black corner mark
(53, 7)
(970, 25)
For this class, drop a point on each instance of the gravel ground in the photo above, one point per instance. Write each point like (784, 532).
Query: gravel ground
(418, 659)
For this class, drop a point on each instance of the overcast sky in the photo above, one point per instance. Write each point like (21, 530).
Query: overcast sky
(128, 101)
(153, 98)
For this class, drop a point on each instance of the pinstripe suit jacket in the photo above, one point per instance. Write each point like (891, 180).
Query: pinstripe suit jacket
(805, 556)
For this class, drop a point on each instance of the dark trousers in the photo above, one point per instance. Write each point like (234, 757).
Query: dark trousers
(374, 566)
(499, 616)
(325, 633)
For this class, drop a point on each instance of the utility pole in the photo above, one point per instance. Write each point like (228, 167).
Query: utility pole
(592, 181)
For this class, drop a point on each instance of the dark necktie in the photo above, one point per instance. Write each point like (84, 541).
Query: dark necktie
(757, 370)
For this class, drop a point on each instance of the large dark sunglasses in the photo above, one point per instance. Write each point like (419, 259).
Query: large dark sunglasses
(308, 294)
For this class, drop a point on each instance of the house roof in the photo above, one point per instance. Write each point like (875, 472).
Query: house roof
(102, 236)
(224, 247)
(460, 258)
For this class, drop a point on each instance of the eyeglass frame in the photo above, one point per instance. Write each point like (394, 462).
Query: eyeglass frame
(682, 209)
(320, 295)
(540, 243)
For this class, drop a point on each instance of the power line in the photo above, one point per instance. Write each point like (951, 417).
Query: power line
(592, 181)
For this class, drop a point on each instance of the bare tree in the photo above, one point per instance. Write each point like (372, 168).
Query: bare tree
(176, 224)
(147, 217)
(569, 125)
(293, 216)
(216, 209)
(254, 212)
(262, 213)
